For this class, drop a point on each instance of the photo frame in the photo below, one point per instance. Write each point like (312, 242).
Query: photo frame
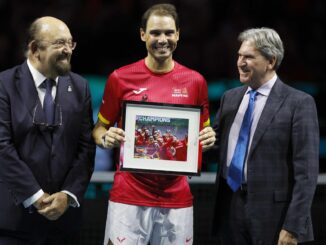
(161, 138)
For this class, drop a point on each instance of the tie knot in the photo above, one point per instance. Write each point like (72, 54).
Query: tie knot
(48, 83)
(252, 94)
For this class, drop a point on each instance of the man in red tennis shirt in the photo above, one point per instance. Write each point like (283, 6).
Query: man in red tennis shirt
(150, 207)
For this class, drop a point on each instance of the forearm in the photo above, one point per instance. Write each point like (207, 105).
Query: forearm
(82, 165)
(305, 161)
(98, 132)
(15, 172)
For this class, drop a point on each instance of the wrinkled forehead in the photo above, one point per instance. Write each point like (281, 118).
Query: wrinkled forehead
(248, 46)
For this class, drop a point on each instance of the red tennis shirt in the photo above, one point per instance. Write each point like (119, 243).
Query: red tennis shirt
(136, 82)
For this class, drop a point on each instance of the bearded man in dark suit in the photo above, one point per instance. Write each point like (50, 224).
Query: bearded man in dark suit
(46, 148)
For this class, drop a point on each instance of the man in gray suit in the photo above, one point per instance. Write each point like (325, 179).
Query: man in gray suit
(268, 144)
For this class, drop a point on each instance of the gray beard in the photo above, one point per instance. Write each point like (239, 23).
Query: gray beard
(62, 70)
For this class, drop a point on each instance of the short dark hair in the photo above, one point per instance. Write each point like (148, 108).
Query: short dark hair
(164, 9)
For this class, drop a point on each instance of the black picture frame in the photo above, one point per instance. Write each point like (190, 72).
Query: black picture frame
(161, 138)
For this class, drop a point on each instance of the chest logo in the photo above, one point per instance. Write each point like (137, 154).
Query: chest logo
(180, 92)
(139, 91)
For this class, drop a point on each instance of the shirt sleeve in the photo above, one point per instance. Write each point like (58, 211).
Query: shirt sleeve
(203, 101)
(111, 101)
(73, 203)
(29, 201)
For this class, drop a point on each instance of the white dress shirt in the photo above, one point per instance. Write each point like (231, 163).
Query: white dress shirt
(261, 98)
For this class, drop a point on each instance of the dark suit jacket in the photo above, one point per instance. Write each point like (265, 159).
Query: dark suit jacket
(282, 165)
(33, 159)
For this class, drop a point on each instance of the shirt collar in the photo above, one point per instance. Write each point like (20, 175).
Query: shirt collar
(266, 88)
(37, 76)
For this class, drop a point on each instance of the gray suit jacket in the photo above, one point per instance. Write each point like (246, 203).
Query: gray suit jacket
(283, 161)
(33, 159)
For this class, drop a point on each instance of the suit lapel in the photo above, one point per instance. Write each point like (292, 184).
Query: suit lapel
(273, 103)
(232, 105)
(26, 88)
(65, 88)
(62, 100)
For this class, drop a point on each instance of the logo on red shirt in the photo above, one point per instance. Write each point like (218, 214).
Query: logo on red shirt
(180, 92)
(139, 91)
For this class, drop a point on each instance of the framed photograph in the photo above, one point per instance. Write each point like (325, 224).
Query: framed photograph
(161, 138)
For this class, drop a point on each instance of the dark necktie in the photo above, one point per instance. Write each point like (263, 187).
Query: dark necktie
(48, 103)
(235, 174)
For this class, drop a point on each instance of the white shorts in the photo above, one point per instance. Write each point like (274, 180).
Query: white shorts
(138, 225)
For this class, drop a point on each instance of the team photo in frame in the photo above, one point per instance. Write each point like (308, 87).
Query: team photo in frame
(161, 138)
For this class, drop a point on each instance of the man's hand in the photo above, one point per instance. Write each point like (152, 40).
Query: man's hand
(39, 203)
(56, 205)
(286, 238)
(207, 138)
(113, 137)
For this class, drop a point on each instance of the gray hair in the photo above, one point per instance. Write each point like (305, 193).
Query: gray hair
(267, 41)
(32, 34)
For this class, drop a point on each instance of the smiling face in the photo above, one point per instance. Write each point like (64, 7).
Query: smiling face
(53, 58)
(254, 69)
(161, 37)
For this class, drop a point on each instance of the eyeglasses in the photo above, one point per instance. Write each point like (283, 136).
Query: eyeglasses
(39, 118)
(60, 43)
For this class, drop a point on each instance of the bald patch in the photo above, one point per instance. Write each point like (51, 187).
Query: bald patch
(47, 23)
(50, 28)
(45, 27)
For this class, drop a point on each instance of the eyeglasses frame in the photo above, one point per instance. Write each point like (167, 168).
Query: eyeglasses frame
(46, 126)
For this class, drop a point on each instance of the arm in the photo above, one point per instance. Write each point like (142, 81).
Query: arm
(104, 134)
(79, 175)
(107, 138)
(207, 134)
(305, 159)
(14, 172)
(82, 166)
